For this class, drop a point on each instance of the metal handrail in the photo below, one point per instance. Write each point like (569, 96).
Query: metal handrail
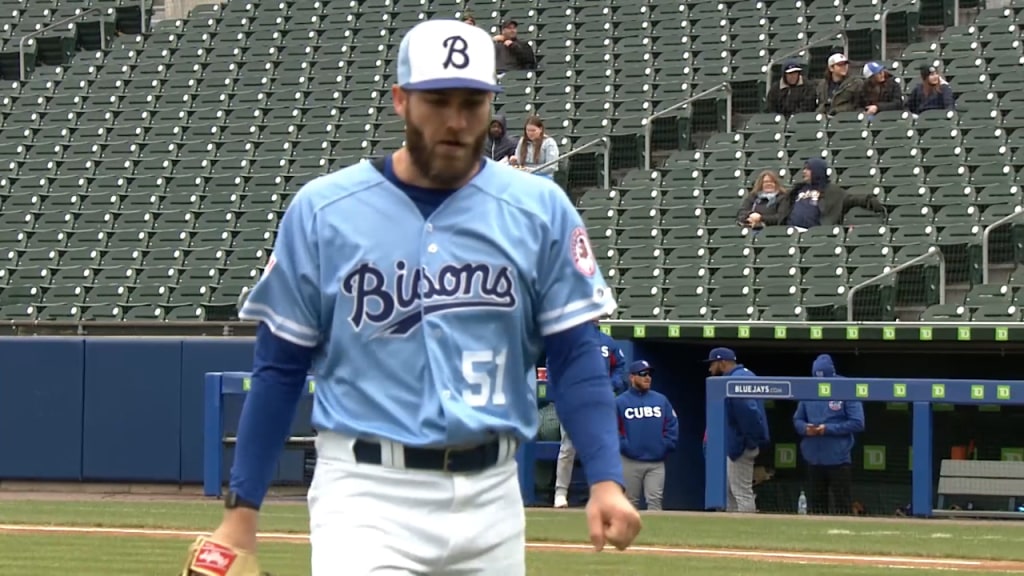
(1017, 212)
(885, 23)
(177, 329)
(603, 141)
(932, 252)
(650, 119)
(784, 55)
(141, 16)
(61, 22)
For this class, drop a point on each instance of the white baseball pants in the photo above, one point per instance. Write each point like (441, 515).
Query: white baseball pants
(385, 520)
(564, 464)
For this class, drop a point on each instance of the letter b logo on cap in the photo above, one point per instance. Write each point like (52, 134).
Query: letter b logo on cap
(458, 56)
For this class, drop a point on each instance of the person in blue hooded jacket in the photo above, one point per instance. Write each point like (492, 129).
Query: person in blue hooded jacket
(616, 363)
(500, 144)
(747, 431)
(648, 433)
(827, 428)
(817, 201)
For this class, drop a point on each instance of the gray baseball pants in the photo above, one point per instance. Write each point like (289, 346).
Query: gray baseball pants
(647, 478)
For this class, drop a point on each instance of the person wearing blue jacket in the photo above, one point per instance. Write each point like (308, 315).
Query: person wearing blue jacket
(648, 433)
(747, 431)
(827, 428)
(616, 363)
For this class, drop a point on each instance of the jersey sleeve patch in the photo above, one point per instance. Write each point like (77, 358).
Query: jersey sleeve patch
(582, 253)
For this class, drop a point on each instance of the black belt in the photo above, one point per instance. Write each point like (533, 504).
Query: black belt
(473, 459)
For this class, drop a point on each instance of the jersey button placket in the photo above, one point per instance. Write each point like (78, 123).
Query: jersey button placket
(433, 333)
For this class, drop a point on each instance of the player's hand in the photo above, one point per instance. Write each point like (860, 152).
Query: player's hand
(611, 517)
(811, 430)
(238, 529)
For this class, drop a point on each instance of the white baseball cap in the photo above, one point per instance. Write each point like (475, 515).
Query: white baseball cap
(442, 54)
(837, 59)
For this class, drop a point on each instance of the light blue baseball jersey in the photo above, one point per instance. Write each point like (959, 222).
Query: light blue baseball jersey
(428, 331)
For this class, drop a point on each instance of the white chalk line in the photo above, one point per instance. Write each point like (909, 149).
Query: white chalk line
(799, 557)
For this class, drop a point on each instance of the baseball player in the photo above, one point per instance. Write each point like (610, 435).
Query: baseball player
(648, 433)
(616, 361)
(421, 289)
(747, 429)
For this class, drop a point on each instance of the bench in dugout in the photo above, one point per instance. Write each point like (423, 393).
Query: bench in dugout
(305, 443)
(981, 479)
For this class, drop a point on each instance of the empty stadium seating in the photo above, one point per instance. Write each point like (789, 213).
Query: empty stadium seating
(146, 172)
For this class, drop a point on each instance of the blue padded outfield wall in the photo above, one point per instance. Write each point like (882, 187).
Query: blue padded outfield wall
(109, 409)
(113, 409)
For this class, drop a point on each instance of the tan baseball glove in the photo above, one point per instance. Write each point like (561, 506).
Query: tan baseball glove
(207, 557)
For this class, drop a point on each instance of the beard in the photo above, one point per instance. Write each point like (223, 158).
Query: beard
(443, 170)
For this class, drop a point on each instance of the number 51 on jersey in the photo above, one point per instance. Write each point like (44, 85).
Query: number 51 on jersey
(483, 390)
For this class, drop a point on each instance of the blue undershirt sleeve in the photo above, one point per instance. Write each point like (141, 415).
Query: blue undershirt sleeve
(278, 381)
(584, 400)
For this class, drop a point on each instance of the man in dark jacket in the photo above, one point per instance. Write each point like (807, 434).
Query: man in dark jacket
(820, 202)
(500, 144)
(828, 428)
(839, 91)
(648, 433)
(511, 53)
(747, 430)
(881, 92)
(792, 94)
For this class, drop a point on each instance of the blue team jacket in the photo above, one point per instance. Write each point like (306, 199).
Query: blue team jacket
(648, 427)
(616, 360)
(747, 421)
(841, 419)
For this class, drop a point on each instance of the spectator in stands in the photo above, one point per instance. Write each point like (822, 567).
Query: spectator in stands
(818, 201)
(827, 429)
(933, 93)
(761, 205)
(881, 92)
(500, 144)
(839, 91)
(536, 148)
(747, 432)
(793, 94)
(513, 53)
(468, 18)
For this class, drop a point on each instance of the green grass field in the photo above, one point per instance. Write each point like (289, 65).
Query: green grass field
(60, 554)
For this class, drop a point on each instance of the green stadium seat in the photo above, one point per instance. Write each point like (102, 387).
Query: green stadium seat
(996, 313)
(184, 145)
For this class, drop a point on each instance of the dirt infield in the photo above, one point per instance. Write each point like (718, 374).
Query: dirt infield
(753, 555)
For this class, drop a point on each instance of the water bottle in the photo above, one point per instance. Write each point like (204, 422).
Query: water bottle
(801, 504)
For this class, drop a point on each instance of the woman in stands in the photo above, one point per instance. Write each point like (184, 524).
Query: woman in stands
(933, 93)
(761, 206)
(536, 148)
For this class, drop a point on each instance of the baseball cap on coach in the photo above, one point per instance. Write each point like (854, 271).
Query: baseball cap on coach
(721, 354)
(640, 366)
(444, 54)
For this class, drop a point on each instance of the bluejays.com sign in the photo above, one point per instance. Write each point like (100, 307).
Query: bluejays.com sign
(758, 389)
